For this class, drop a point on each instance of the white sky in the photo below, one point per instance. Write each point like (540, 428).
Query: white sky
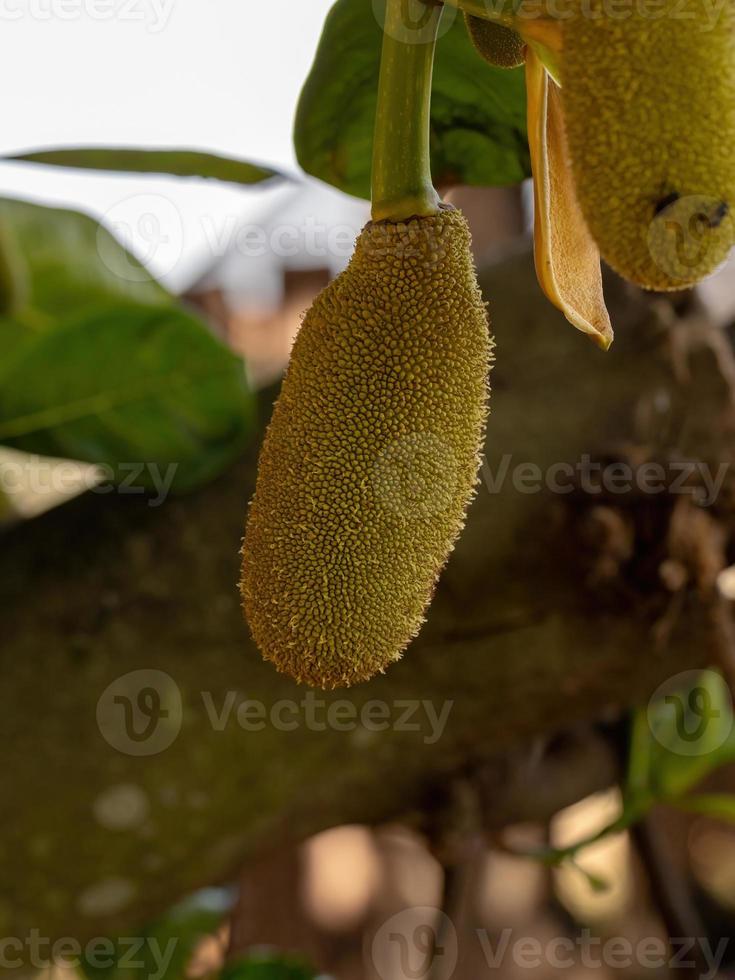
(220, 75)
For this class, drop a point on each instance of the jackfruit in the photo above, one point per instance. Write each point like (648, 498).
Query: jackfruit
(649, 110)
(371, 456)
(497, 44)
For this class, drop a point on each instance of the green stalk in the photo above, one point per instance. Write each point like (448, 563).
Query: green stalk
(401, 180)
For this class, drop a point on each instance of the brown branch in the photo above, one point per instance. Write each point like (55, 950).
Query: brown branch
(670, 891)
(530, 633)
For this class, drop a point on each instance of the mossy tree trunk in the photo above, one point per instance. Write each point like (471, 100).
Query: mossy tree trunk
(555, 609)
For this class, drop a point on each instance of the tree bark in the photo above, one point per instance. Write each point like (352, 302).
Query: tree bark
(556, 609)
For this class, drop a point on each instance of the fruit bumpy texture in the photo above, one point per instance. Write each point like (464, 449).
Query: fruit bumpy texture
(498, 45)
(371, 456)
(649, 109)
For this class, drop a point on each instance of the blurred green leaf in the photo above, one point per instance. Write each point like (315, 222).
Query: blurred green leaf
(13, 334)
(678, 740)
(267, 966)
(72, 263)
(164, 948)
(690, 733)
(125, 385)
(13, 273)
(721, 806)
(101, 364)
(178, 162)
(478, 112)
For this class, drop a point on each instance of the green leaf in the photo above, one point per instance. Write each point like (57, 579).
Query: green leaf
(478, 113)
(721, 806)
(165, 950)
(128, 386)
(267, 966)
(691, 732)
(101, 364)
(13, 274)
(71, 263)
(178, 162)
(682, 736)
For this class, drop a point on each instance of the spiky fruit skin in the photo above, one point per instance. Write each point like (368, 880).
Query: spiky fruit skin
(371, 456)
(498, 45)
(649, 109)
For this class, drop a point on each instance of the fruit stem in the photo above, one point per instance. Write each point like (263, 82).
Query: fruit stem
(401, 181)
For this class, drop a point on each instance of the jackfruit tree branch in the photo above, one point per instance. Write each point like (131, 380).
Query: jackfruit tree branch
(552, 612)
(401, 183)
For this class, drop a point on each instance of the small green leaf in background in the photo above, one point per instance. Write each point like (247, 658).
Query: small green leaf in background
(176, 162)
(267, 966)
(164, 948)
(478, 112)
(686, 732)
(690, 732)
(720, 806)
(101, 364)
(125, 385)
(71, 263)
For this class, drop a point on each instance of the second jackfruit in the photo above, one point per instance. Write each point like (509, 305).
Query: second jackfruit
(649, 109)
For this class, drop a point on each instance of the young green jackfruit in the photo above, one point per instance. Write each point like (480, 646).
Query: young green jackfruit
(371, 456)
(497, 44)
(649, 108)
